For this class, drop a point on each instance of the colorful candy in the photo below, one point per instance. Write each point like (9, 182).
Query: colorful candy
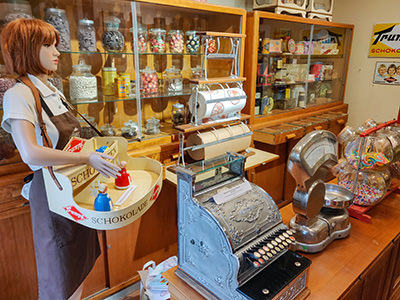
(212, 46)
(176, 43)
(369, 160)
(157, 40)
(149, 81)
(364, 194)
(192, 42)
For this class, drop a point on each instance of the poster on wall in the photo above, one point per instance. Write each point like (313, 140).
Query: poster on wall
(385, 41)
(387, 73)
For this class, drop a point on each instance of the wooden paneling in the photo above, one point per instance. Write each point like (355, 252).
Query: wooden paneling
(394, 288)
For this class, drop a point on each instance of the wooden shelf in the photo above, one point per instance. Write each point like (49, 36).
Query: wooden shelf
(188, 128)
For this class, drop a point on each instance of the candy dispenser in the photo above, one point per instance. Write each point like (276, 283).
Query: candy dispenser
(58, 18)
(113, 40)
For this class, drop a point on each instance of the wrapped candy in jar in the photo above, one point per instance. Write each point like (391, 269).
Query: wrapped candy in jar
(87, 35)
(370, 186)
(87, 132)
(157, 40)
(107, 129)
(192, 42)
(376, 153)
(16, 10)
(113, 40)
(141, 39)
(178, 114)
(6, 82)
(176, 41)
(153, 126)
(82, 83)
(173, 80)
(129, 130)
(148, 81)
(212, 45)
(58, 19)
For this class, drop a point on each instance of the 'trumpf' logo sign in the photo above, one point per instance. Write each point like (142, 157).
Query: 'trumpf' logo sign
(385, 41)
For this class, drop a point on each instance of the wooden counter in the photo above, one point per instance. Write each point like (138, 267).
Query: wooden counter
(369, 255)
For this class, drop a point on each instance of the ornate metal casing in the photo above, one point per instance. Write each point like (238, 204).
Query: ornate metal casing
(215, 241)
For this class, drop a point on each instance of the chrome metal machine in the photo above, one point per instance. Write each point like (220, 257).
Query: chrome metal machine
(320, 207)
(232, 244)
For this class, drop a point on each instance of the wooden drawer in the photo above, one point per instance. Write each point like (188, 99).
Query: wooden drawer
(337, 120)
(278, 134)
(311, 123)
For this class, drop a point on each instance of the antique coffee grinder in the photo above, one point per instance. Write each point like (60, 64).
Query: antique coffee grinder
(320, 207)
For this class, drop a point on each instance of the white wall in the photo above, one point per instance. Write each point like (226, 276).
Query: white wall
(365, 99)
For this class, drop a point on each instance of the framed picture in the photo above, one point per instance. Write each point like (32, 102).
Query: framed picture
(387, 73)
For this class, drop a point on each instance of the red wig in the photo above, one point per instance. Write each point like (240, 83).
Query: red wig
(21, 41)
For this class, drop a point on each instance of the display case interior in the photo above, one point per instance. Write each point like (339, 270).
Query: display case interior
(300, 64)
(125, 64)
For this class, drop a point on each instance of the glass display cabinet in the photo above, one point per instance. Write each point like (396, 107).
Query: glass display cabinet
(294, 64)
(126, 63)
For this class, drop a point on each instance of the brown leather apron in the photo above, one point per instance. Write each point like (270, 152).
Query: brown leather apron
(65, 250)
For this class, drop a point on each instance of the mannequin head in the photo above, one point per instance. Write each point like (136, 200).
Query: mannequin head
(21, 41)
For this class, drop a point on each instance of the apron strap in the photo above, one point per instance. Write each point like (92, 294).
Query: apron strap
(42, 125)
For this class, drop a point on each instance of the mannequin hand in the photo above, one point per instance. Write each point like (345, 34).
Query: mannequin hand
(98, 161)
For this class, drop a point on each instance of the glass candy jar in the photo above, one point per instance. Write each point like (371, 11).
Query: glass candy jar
(370, 186)
(211, 45)
(56, 80)
(141, 39)
(176, 41)
(178, 114)
(107, 129)
(153, 126)
(157, 40)
(87, 132)
(7, 147)
(82, 83)
(113, 40)
(58, 18)
(129, 130)
(17, 9)
(173, 80)
(87, 35)
(192, 42)
(376, 153)
(148, 81)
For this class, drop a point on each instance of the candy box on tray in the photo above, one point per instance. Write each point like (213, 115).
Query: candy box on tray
(79, 186)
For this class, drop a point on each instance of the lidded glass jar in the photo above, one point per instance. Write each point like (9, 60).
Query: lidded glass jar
(212, 45)
(176, 41)
(82, 83)
(141, 38)
(107, 129)
(173, 80)
(178, 114)
(370, 186)
(87, 132)
(87, 35)
(192, 42)
(58, 18)
(56, 80)
(113, 40)
(157, 40)
(153, 126)
(17, 9)
(148, 81)
(129, 130)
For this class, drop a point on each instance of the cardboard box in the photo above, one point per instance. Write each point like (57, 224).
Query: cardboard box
(75, 200)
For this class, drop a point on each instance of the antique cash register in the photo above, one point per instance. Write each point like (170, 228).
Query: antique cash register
(232, 243)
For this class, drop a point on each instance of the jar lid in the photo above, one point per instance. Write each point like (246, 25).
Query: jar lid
(112, 19)
(141, 28)
(177, 105)
(81, 66)
(55, 10)
(147, 70)
(157, 30)
(175, 31)
(191, 32)
(197, 69)
(173, 69)
(86, 21)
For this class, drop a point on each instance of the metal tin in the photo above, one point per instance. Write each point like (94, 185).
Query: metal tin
(127, 77)
(120, 87)
(109, 74)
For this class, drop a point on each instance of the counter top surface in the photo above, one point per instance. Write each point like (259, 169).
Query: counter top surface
(334, 269)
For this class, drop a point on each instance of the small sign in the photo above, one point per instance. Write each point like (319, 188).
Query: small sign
(385, 41)
(387, 73)
(232, 193)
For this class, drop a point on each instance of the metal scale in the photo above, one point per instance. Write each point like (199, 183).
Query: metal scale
(321, 214)
(232, 243)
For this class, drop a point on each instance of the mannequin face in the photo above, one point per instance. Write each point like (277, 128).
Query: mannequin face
(49, 56)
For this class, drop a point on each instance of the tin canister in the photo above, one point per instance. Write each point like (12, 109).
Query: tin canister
(127, 77)
(265, 46)
(109, 74)
(120, 87)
